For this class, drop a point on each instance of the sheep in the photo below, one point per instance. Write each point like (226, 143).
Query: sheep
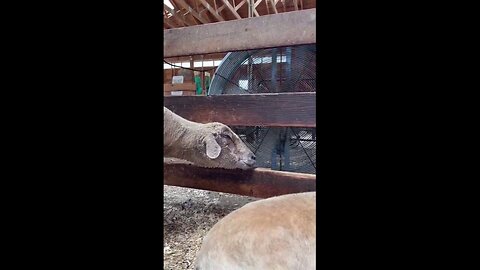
(274, 233)
(212, 145)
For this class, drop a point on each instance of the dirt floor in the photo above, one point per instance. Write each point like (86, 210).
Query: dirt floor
(188, 216)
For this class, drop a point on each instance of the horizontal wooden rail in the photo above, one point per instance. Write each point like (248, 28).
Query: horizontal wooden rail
(281, 110)
(260, 182)
(276, 30)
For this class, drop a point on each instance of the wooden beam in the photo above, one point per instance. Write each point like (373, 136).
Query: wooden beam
(212, 11)
(171, 21)
(295, 4)
(192, 11)
(232, 9)
(274, 110)
(206, 57)
(259, 182)
(298, 28)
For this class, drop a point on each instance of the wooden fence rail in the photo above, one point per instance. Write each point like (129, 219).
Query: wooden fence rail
(282, 109)
(260, 182)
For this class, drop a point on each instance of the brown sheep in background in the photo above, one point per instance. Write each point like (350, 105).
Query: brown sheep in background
(275, 233)
(212, 145)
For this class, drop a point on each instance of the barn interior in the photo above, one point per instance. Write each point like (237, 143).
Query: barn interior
(251, 65)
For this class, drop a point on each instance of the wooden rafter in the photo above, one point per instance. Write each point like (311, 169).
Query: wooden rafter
(204, 10)
(274, 3)
(221, 8)
(212, 11)
(237, 7)
(232, 9)
(255, 7)
(179, 18)
(189, 16)
(250, 6)
(170, 24)
(167, 8)
(175, 6)
(192, 11)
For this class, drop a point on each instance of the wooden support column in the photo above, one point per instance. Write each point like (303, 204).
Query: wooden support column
(298, 28)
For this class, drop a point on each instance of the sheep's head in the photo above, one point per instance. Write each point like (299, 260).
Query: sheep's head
(224, 149)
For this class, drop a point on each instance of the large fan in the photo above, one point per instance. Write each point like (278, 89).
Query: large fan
(287, 69)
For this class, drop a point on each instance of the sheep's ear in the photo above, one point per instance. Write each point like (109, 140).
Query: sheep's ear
(213, 148)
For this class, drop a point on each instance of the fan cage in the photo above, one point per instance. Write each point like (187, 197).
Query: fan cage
(275, 70)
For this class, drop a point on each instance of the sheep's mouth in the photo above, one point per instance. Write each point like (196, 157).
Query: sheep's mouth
(249, 165)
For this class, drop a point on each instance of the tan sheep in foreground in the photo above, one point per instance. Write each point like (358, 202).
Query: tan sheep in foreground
(275, 233)
(206, 145)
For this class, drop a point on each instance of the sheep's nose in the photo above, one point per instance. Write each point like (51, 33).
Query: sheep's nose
(251, 160)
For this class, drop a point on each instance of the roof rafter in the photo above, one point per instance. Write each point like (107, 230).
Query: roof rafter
(212, 11)
(230, 7)
(170, 24)
(274, 3)
(237, 7)
(221, 8)
(255, 7)
(192, 11)
(177, 16)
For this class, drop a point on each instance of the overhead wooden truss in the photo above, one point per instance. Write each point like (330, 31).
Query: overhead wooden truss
(194, 12)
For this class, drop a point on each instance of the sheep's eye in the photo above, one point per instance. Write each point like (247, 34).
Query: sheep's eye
(226, 136)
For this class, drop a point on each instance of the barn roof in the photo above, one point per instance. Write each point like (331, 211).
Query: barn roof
(183, 13)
